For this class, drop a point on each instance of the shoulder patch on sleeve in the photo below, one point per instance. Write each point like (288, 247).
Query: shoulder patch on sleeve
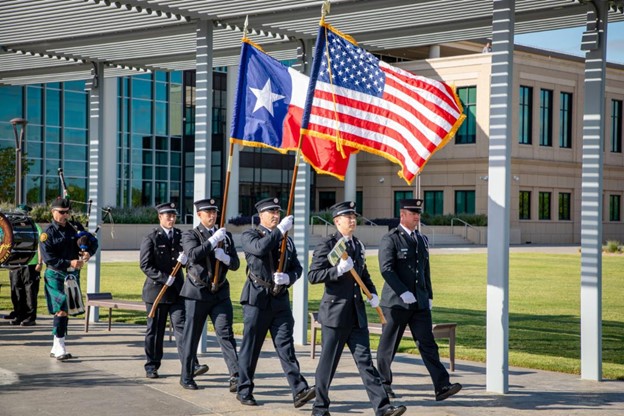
(43, 237)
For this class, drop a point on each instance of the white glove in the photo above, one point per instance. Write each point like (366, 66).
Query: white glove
(281, 278)
(221, 256)
(408, 297)
(182, 259)
(344, 266)
(218, 236)
(170, 280)
(374, 301)
(430, 304)
(286, 224)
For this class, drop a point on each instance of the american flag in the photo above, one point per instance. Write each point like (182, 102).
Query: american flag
(357, 100)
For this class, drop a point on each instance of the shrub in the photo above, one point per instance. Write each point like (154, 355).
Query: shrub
(613, 246)
(133, 215)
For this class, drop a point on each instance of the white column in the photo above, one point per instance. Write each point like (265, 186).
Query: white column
(233, 193)
(203, 122)
(499, 187)
(96, 173)
(350, 181)
(591, 191)
(109, 155)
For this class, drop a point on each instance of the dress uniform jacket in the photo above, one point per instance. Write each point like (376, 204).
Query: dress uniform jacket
(404, 265)
(342, 297)
(158, 258)
(201, 265)
(262, 252)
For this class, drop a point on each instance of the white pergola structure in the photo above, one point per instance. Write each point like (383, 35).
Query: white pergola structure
(96, 40)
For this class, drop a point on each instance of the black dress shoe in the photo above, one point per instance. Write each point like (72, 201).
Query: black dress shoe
(395, 411)
(152, 374)
(305, 396)
(64, 357)
(320, 412)
(247, 400)
(15, 321)
(388, 389)
(200, 369)
(447, 391)
(233, 384)
(28, 323)
(10, 316)
(189, 385)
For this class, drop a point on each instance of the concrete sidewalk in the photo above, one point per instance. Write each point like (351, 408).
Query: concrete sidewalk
(107, 378)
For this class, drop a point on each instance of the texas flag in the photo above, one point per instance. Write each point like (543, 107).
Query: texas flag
(270, 99)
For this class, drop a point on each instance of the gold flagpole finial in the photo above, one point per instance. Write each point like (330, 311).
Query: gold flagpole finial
(245, 26)
(325, 10)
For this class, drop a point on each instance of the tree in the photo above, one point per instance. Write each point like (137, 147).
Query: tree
(7, 173)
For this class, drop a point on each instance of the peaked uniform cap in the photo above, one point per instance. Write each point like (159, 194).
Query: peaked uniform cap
(206, 204)
(166, 208)
(60, 203)
(413, 205)
(268, 204)
(342, 208)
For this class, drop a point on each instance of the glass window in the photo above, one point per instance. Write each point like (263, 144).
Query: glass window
(34, 105)
(161, 91)
(467, 133)
(616, 126)
(525, 205)
(326, 199)
(434, 202)
(399, 195)
(75, 152)
(75, 110)
(615, 208)
(464, 202)
(525, 120)
(565, 120)
(141, 88)
(546, 116)
(75, 136)
(565, 199)
(11, 99)
(53, 107)
(141, 116)
(74, 169)
(544, 206)
(74, 86)
(359, 201)
(160, 118)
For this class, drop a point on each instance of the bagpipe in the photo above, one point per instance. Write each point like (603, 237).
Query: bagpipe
(84, 239)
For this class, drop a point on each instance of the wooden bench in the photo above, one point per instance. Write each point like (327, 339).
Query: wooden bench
(446, 330)
(105, 300)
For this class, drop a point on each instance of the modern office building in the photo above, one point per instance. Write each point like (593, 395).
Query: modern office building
(155, 143)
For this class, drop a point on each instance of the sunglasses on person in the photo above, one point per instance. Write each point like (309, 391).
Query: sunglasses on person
(63, 212)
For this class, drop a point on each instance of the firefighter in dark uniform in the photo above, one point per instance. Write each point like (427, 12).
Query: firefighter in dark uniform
(63, 257)
(407, 299)
(342, 314)
(160, 252)
(266, 306)
(204, 245)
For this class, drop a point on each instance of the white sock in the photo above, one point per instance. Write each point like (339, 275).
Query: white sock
(60, 350)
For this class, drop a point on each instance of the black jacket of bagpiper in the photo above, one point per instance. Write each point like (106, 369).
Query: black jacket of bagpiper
(343, 296)
(201, 265)
(59, 247)
(262, 252)
(404, 265)
(158, 258)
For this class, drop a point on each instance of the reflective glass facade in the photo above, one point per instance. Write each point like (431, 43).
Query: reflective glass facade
(56, 136)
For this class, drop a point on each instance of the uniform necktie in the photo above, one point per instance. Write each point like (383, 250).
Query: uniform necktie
(350, 248)
(170, 235)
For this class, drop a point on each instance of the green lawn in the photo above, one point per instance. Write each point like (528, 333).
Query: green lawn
(544, 306)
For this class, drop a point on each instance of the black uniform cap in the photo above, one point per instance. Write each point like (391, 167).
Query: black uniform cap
(413, 205)
(60, 203)
(268, 204)
(206, 204)
(166, 208)
(342, 208)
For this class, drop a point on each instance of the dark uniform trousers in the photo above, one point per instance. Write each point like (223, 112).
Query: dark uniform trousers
(201, 302)
(404, 265)
(221, 315)
(156, 327)
(264, 312)
(24, 291)
(157, 259)
(342, 315)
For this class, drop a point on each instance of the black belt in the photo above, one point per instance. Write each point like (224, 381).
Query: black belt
(61, 271)
(263, 283)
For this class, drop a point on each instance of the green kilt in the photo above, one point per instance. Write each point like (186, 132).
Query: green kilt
(55, 289)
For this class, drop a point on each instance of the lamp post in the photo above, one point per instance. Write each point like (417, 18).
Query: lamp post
(19, 141)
